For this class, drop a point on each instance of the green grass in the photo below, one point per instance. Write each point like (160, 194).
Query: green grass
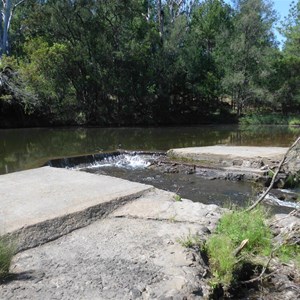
(241, 225)
(221, 259)
(287, 253)
(233, 228)
(270, 119)
(6, 255)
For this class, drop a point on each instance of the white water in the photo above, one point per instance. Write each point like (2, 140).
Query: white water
(125, 161)
(275, 201)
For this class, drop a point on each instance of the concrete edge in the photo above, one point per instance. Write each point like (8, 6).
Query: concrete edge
(40, 233)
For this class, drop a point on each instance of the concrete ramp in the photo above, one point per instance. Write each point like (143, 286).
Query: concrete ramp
(39, 205)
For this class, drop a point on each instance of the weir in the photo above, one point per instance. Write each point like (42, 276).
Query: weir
(199, 186)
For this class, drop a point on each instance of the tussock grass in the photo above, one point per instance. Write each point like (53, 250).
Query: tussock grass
(233, 228)
(6, 255)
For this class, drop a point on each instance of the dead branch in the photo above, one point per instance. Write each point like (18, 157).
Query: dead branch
(263, 196)
(238, 250)
(260, 277)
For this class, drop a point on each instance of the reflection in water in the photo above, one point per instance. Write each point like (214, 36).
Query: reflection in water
(28, 148)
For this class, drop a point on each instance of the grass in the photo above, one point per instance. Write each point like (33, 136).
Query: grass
(233, 228)
(270, 119)
(241, 225)
(287, 253)
(6, 255)
(190, 241)
(221, 259)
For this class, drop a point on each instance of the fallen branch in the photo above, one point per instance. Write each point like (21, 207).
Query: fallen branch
(238, 250)
(260, 277)
(263, 196)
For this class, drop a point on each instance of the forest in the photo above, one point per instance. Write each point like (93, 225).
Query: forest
(145, 62)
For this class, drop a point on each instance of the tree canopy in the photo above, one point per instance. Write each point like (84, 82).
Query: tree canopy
(145, 62)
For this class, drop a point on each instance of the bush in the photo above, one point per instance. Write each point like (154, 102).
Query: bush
(6, 255)
(294, 121)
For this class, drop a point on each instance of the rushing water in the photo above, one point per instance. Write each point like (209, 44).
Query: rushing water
(28, 148)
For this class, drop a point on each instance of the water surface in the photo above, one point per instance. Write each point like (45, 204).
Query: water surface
(28, 148)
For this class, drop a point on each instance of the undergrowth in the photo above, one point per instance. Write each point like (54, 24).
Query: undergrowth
(233, 228)
(6, 255)
(270, 119)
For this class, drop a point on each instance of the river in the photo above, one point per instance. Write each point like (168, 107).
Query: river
(22, 149)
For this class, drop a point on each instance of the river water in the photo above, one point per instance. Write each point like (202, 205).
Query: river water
(22, 149)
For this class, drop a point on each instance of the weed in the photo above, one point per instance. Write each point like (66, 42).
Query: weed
(287, 252)
(6, 255)
(172, 219)
(295, 121)
(190, 241)
(177, 198)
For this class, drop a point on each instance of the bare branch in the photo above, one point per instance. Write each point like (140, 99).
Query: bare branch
(262, 197)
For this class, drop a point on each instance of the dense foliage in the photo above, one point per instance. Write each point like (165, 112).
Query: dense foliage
(145, 62)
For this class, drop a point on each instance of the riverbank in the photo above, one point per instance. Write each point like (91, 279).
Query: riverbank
(98, 237)
(127, 245)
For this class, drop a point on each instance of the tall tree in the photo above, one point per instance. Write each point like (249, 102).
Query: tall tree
(288, 65)
(248, 53)
(7, 8)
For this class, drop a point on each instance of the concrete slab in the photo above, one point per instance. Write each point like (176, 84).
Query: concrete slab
(136, 252)
(162, 205)
(49, 202)
(231, 151)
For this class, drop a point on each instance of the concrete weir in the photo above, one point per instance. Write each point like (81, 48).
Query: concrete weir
(231, 162)
(128, 242)
(42, 204)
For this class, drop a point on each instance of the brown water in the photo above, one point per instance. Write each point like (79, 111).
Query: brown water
(28, 148)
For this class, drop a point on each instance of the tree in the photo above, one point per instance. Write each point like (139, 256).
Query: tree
(7, 8)
(288, 64)
(249, 52)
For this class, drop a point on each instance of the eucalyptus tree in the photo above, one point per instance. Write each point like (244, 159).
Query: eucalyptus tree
(251, 45)
(7, 8)
(288, 65)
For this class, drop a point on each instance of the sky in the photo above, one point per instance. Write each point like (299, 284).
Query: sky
(282, 7)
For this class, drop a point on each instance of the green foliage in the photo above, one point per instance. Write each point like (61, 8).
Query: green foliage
(222, 262)
(295, 121)
(287, 252)
(177, 198)
(241, 225)
(233, 228)
(6, 255)
(269, 119)
(108, 63)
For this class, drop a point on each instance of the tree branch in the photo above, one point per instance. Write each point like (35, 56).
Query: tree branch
(263, 196)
